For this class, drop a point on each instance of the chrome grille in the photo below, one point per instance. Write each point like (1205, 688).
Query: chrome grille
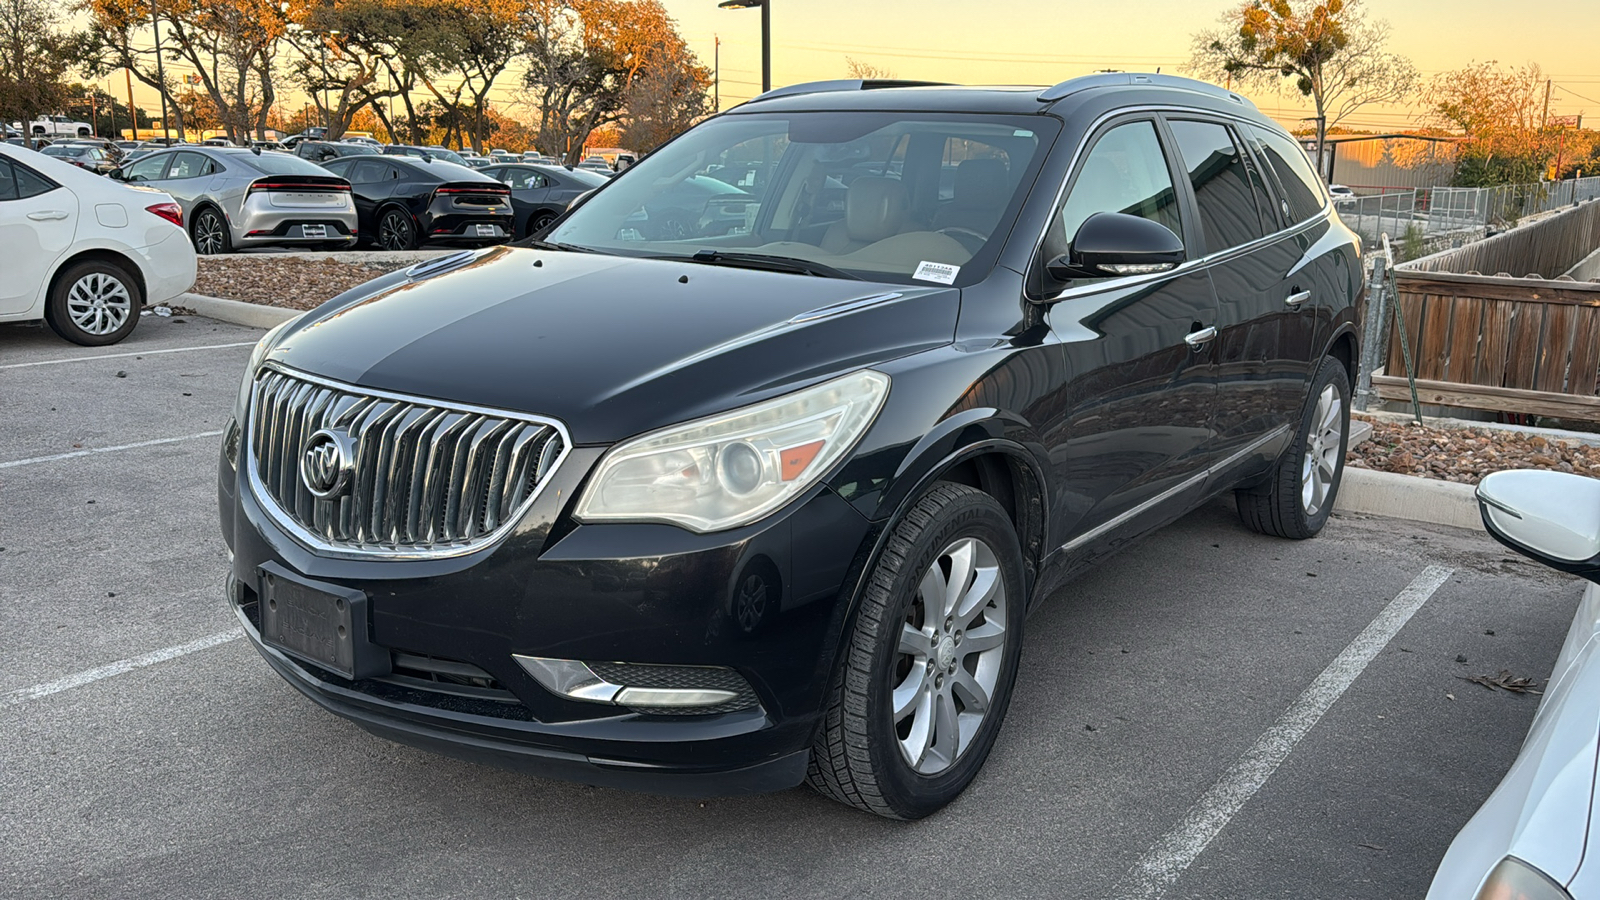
(428, 478)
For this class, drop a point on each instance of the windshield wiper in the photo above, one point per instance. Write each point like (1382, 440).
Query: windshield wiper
(555, 245)
(764, 262)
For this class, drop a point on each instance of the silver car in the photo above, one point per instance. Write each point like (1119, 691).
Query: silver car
(234, 198)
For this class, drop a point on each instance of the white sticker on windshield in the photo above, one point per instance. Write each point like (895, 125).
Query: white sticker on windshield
(1022, 132)
(932, 271)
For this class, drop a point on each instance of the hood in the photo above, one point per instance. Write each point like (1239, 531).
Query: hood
(611, 346)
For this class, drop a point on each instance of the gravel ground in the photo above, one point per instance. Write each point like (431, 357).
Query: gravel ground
(286, 281)
(1467, 454)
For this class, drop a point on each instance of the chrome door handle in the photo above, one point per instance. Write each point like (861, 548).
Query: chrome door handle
(1198, 339)
(48, 215)
(1298, 299)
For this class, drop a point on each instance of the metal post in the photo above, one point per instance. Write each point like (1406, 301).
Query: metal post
(766, 46)
(161, 72)
(1372, 333)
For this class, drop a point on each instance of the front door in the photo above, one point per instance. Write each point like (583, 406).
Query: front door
(1135, 423)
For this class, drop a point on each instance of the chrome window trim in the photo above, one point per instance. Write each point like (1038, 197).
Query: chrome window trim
(1187, 265)
(1187, 484)
(316, 544)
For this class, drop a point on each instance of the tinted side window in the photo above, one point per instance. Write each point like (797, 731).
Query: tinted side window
(31, 183)
(1302, 187)
(1221, 183)
(367, 172)
(8, 181)
(1125, 172)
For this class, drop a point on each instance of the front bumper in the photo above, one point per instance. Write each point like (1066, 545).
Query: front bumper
(650, 594)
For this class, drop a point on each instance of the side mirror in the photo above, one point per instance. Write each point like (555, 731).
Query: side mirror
(1549, 517)
(1110, 244)
(117, 174)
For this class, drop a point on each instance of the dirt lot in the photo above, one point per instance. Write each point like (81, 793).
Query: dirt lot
(288, 281)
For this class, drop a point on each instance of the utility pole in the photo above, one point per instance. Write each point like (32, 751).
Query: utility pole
(161, 71)
(716, 73)
(133, 118)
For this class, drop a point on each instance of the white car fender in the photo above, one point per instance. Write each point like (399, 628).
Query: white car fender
(1541, 811)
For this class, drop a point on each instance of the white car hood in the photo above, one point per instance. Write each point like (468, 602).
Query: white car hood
(1542, 812)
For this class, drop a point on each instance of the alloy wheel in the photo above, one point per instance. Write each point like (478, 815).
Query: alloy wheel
(949, 657)
(208, 235)
(1320, 464)
(99, 303)
(394, 233)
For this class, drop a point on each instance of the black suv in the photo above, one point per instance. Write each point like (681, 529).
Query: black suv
(737, 508)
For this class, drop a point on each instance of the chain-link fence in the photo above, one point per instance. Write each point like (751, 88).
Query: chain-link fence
(1422, 220)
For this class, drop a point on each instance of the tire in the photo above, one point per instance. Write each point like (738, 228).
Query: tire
(209, 233)
(396, 231)
(538, 222)
(862, 755)
(74, 313)
(1300, 492)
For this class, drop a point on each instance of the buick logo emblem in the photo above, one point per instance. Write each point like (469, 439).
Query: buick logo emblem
(326, 463)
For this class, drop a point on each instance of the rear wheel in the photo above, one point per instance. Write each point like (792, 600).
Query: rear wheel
(396, 231)
(94, 303)
(927, 673)
(539, 222)
(210, 233)
(1298, 496)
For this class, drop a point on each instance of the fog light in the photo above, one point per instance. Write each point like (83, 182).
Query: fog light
(644, 688)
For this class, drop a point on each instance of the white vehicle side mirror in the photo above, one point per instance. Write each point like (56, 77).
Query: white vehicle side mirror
(1551, 517)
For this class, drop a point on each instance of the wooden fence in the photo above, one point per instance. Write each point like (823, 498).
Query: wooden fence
(1508, 344)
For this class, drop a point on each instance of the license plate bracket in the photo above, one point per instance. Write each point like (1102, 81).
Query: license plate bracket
(314, 231)
(322, 624)
(488, 231)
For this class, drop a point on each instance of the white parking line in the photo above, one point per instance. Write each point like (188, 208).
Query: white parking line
(73, 359)
(1167, 859)
(98, 673)
(53, 457)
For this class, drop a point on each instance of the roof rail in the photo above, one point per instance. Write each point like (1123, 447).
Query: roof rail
(1117, 79)
(841, 84)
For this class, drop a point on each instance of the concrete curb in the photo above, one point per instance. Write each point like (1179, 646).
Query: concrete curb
(1362, 491)
(235, 312)
(1408, 497)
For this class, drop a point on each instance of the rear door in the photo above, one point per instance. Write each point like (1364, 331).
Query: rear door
(1135, 428)
(38, 220)
(1262, 346)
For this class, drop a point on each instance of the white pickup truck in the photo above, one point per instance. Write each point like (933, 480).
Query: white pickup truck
(59, 126)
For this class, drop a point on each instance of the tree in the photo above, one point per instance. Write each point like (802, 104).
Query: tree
(1334, 53)
(593, 63)
(34, 57)
(1500, 111)
(865, 71)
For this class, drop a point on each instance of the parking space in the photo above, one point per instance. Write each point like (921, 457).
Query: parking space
(1211, 713)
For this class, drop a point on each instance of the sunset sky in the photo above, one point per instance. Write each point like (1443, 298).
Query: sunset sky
(1045, 41)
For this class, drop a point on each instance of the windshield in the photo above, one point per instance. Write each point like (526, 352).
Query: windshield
(65, 151)
(901, 197)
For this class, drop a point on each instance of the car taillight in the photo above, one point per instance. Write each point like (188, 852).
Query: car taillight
(172, 212)
(282, 184)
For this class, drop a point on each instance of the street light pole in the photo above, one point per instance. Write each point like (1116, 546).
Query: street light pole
(766, 35)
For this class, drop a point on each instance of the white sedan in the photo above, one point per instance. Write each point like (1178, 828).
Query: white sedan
(85, 253)
(1537, 837)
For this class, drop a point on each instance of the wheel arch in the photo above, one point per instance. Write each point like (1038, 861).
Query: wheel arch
(100, 254)
(1344, 347)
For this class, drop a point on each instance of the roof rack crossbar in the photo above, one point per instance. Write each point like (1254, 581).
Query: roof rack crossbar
(1118, 79)
(842, 84)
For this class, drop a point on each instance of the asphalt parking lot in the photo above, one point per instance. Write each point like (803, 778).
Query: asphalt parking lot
(1211, 714)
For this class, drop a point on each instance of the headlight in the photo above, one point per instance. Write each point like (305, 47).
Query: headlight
(1514, 879)
(731, 469)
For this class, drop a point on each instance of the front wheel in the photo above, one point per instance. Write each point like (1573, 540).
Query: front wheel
(1298, 496)
(927, 672)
